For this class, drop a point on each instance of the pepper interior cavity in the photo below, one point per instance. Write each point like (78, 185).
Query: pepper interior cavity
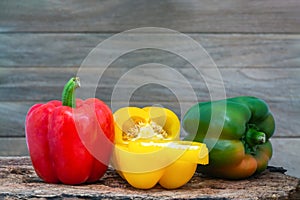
(145, 130)
(148, 123)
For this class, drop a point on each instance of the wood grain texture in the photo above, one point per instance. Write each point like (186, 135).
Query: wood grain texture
(12, 119)
(273, 16)
(13, 147)
(159, 84)
(69, 50)
(286, 154)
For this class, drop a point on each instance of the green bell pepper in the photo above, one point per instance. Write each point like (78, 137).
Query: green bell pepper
(236, 132)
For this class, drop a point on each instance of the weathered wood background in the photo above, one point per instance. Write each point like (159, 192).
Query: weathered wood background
(255, 44)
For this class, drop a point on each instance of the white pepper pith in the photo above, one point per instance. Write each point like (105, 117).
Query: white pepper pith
(145, 130)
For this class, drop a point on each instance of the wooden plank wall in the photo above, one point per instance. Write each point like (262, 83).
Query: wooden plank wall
(255, 44)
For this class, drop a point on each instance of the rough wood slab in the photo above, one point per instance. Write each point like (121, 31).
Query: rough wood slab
(182, 15)
(18, 180)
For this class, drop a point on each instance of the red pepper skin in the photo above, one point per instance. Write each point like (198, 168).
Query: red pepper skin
(67, 145)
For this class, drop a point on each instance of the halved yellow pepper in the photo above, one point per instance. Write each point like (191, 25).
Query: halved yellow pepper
(129, 118)
(148, 151)
(171, 164)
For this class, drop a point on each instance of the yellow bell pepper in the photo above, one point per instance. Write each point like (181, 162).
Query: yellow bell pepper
(155, 123)
(148, 151)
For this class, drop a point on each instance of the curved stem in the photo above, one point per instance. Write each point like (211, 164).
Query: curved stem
(255, 137)
(68, 94)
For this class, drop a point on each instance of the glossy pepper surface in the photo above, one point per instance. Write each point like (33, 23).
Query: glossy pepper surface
(70, 141)
(148, 150)
(236, 132)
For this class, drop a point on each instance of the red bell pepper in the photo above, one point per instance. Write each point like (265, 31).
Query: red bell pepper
(67, 144)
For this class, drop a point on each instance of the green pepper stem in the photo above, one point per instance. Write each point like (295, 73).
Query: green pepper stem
(255, 137)
(68, 94)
